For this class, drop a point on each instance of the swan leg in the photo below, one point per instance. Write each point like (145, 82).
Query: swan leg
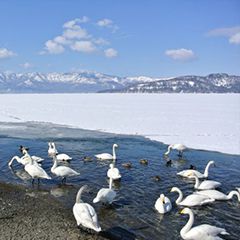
(38, 181)
(64, 180)
(33, 181)
(180, 154)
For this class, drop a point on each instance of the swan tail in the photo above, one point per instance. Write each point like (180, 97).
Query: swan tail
(224, 232)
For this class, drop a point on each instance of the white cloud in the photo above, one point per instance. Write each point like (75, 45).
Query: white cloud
(26, 65)
(5, 53)
(53, 47)
(110, 53)
(181, 54)
(235, 39)
(78, 39)
(72, 23)
(107, 23)
(232, 33)
(83, 46)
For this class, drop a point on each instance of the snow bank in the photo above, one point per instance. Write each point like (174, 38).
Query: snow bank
(201, 121)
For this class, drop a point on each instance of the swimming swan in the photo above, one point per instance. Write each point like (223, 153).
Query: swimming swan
(163, 204)
(108, 156)
(200, 232)
(217, 195)
(52, 151)
(192, 199)
(105, 195)
(178, 146)
(113, 172)
(84, 213)
(25, 160)
(62, 171)
(206, 184)
(190, 172)
(34, 170)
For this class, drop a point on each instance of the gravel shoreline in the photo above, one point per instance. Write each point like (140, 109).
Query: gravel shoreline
(29, 214)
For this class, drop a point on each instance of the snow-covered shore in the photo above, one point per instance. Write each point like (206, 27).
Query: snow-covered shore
(201, 121)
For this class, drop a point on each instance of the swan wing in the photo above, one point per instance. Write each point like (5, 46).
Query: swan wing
(104, 156)
(189, 173)
(105, 195)
(37, 159)
(196, 200)
(36, 171)
(159, 206)
(206, 231)
(63, 157)
(208, 184)
(215, 194)
(64, 171)
(85, 215)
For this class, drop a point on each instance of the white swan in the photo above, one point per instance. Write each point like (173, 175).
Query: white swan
(84, 213)
(203, 231)
(163, 204)
(217, 195)
(25, 160)
(206, 184)
(190, 172)
(34, 170)
(192, 199)
(113, 172)
(62, 171)
(108, 156)
(52, 151)
(178, 146)
(105, 195)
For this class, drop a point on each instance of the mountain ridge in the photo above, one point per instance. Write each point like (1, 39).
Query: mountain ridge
(89, 82)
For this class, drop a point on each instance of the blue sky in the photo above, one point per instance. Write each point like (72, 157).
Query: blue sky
(125, 38)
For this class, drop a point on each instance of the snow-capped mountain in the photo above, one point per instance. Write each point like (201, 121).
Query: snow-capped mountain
(87, 81)
(212, 83)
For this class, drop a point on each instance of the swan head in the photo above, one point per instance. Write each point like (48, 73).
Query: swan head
(115, 145)
(212, 163)
(162, 198)
(111, 166)
(174, 189)
(185, 211)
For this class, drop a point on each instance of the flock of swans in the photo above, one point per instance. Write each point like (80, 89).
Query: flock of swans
(86, 215)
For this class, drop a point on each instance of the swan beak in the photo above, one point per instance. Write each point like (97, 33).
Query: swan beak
(181, 211)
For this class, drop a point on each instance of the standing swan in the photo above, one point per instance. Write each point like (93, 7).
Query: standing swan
(190, 172)
(163, 204)
(84, 213)
(217, 195)
(192, 199)
(206, 184)
(105, 195)
(108, 156)
(203, 231)
(178, 146)
(52, 151)
(34, 170)
(113, 172)
(62, 171)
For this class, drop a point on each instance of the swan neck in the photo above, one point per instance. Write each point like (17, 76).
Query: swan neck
(18, 159)
(207, 169)
(54, 163)
(196, 182)
(188, 225)
(232, 193)
(79, 194)
(110, 183)
(114, 153)
(180, 197)
(28, 156)
(169, 149)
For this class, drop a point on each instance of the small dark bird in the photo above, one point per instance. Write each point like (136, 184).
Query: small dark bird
(192, 167)
(144, 161)
(169, 163)
(127, 165)
(156, 178)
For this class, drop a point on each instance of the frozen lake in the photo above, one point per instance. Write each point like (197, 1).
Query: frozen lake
(200, 121)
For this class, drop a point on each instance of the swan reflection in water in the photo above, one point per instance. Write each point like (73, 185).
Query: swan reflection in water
(20, 173)
(61, 190)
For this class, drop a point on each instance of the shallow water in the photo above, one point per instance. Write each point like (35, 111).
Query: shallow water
(137, 191)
